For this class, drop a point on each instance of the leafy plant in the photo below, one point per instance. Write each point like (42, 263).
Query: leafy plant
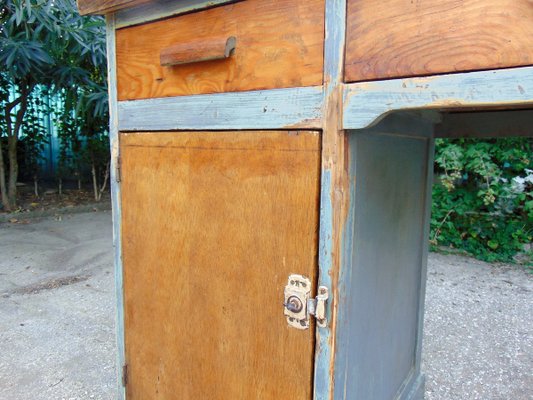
(47, 43)
(34, 137)
(483, 196)
(70, 144)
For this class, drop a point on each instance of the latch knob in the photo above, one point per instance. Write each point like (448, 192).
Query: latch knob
(294, 304)
(299, 305)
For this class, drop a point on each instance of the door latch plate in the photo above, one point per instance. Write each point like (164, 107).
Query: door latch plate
(297, 291)
(299, 304)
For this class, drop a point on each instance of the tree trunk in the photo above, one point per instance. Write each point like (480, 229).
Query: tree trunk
(13, 131)
(3, 188)
(35, 186)
(13, 170)
(106, 177)
(99, 190)
(95, 181)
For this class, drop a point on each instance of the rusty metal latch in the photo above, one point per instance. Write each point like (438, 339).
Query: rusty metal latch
(299, 305)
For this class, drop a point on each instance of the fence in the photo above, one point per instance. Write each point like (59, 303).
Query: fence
(48, 160)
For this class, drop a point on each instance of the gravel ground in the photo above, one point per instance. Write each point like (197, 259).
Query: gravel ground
(57, 318)
(478, 338)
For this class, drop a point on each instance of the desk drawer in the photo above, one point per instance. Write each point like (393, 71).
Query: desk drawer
(399, 38)
(279, 43)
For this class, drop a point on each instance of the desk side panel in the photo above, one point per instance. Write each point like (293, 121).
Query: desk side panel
(377, 354)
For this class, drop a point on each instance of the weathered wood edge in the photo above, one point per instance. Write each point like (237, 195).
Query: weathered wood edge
(294, 108)
(115, 200)
(366, 103)
(158, 10)
(87, 7)
(334, 193)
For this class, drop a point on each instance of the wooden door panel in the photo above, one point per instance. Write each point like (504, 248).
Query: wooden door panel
(213, 223)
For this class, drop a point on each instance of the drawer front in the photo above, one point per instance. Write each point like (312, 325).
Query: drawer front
(279, 43)
(400, 38)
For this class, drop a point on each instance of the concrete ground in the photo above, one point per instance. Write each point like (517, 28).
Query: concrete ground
(57, 318)
(57, 338)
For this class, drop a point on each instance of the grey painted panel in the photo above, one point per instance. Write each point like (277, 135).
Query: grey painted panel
(262, 109)
(382, 268)
(417, 389)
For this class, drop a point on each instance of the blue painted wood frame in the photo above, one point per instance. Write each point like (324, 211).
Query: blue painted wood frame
(335, 22)
(293, 108)
(366, 103)
(116, 203)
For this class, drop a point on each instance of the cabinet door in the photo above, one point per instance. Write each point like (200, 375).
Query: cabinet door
(213, 223)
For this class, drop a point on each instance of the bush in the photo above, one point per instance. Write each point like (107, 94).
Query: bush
(483, 197)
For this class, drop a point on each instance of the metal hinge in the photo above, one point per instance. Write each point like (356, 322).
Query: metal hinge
(118, 169)
(299, 305)
(124, 375)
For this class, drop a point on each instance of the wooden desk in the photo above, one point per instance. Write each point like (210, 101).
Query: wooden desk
(258, 139)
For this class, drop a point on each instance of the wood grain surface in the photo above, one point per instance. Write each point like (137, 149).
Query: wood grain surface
(399, 38)
(279, 44)
(213, 224)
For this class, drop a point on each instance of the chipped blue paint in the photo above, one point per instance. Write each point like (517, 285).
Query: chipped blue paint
(345, 273)
(325, 262)
(260, 109)
(366, 103)
(115, 200)
(335, 21)
(335, 27)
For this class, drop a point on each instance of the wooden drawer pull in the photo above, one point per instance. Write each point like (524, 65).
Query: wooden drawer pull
(198, 51)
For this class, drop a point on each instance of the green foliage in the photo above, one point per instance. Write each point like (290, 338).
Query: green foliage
(483, 196)
(70, 143)
(34, 134)
(83, 137)
(47, 44)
